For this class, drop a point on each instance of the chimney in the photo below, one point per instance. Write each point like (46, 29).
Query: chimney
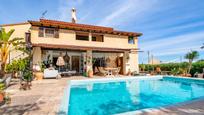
(74, 18)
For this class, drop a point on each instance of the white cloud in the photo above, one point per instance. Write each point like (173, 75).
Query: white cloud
(125, 11)
(175, 51)
(173, 41)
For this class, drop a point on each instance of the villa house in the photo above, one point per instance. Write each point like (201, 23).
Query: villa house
(81, 45)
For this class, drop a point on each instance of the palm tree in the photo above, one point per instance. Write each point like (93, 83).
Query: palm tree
(7, 44)
(191, 56)
(202, 47)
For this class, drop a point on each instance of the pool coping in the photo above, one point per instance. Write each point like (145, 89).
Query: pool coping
(160, 108)
(181, 77)
(64, 106)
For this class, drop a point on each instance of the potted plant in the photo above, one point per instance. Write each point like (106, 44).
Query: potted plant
(2, 93)
(90, 72)
(38, 71)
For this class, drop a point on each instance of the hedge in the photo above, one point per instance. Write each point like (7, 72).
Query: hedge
(196, 66)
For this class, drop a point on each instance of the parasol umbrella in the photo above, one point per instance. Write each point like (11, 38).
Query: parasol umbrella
(60, 61)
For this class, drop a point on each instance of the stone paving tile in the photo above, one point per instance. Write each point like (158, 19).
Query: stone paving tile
(44, 98)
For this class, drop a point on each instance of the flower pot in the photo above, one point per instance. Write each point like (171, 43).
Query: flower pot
(39, 75)
(1, 97)
(90, 73)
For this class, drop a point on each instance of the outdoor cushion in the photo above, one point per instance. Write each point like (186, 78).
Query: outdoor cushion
(50, 73)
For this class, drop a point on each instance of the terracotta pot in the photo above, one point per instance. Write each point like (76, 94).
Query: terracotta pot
(90, 73)
(39, 75)
(1, 97)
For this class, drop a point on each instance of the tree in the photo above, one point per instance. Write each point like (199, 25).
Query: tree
(191, 56)
(7, 44)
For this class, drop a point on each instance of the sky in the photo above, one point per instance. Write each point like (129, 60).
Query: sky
(170, 28)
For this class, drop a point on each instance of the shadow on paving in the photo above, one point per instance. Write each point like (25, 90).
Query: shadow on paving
(19, 109)
(194, 107)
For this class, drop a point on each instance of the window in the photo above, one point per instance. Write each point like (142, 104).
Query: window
(131, 40)
(48, 32)
(97, 38)
(41, 32)
(82, 36)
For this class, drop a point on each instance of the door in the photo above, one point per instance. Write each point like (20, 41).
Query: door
(75, 63)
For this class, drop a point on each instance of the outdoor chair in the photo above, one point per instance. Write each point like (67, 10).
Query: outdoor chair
(200, 75)
(116, 71)
(102, 71)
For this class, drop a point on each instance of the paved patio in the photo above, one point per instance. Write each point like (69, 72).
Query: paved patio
(43, 99)
(45, 96)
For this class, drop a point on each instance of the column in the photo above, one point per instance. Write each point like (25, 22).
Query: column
(134, 66)
(89, 64)
(126, 65)
(37, 53)
(90, 36)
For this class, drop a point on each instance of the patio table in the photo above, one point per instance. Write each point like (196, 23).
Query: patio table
(110, 70)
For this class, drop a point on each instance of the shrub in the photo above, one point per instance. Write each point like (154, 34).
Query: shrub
(176, 67)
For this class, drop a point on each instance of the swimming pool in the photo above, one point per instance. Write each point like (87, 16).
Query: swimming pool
(105, 97)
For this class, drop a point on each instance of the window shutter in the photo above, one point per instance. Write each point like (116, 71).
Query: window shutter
(41, 32)
(28, 39)
(56, 33)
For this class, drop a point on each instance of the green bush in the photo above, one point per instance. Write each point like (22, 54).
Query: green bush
(2, 87)
(175, 67)
(20, 65)
(16, 65)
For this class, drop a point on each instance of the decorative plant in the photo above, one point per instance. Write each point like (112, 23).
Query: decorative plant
(42, 66)
(174, 71)
(191, 56)
(90, 72)
(2, 87)
(6, 45)
(168, 67)
(16, 66)
(26, 74)
(142, 67)
(2, 93)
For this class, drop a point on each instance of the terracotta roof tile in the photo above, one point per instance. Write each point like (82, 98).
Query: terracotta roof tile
(81, 27)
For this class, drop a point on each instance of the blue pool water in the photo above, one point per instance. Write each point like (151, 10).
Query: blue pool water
(119, 97)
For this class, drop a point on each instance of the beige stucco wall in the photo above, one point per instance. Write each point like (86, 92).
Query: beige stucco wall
(19, 32)
(67, 37)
